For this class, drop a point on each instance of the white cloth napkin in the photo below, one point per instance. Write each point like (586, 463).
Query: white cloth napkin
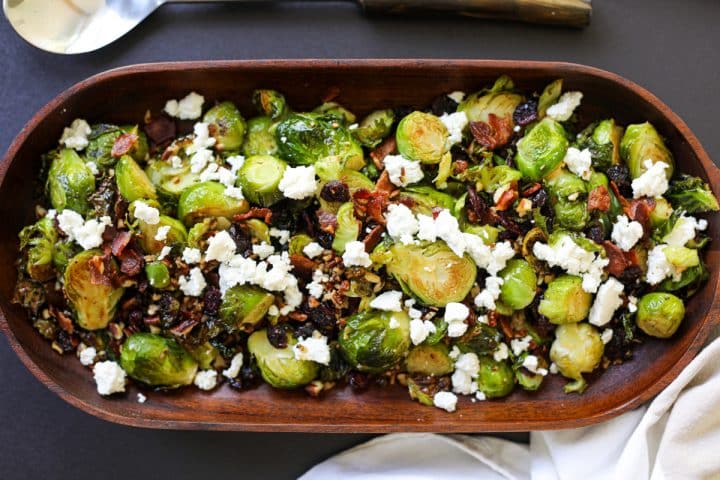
(676, 437)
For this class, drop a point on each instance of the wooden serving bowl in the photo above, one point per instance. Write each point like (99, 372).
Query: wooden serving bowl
(123, 96)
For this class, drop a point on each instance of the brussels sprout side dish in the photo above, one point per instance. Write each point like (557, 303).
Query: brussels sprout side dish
(470, 247)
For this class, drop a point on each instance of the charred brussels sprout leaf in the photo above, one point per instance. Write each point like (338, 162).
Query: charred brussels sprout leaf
(227, 125)
(498, 100)
(691, 194)
(519, 282)
(429, 360)
(495, 379)
(38, 240)
(577, 349)
(171, 181)
(432, 272)
(157, 361)
(94, 303)
(270, 103)
(641, 142)
(278, 366)
(481, 339)
(368, 342)
(565, 301)
(541, 150)
(374, 128)
(549, 96)
(102, 139)
(132, 182)
(568, 192)
(660, 314)
(244, 306)
(259, 140)
(70, 182)
(337, 111)
(260, 178)
(347, 229)
(422, 136)
(208, 199)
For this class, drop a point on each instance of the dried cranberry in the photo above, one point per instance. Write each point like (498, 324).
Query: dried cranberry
(249, 376)
(539, 198)
(631, 274)
(65, 341)
(620, 174)
(241, 237)
(283, 217)
(277, 336)
(402, 111)
(324, 319)
(169, 310)
(305, 330)
(335, 191)
(358, 380)
(212, 301)
(160, 130)
(443, 104)
(325, 239)
(135, 319)
(595, 233)
(526, 112)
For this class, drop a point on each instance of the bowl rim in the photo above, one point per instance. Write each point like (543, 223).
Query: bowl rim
(711, 319)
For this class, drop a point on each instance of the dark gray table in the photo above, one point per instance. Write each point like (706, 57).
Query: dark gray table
(667, 46)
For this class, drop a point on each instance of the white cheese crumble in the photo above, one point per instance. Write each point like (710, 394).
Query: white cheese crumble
(393, 323)
(146, 213)
(607, 300)
(684, 230)
(188, 108)
(191, 255)
(467, 368)
(519, 345)
(448, 230)
(164, 252)
(316, 288)
(235, 365)
(236, 162)
(389, 301)
(653, 182)
(454, 353)
(658, 266)
(554, 368)
(75, 136)
(401, 171)
(632, 304)
(426, 228)
(565, 106)
(298, 182)
(486, 298)
(234, 192)
(199, 151)
(109, 377)
(176, 161)
(162, 233)
(221, 247)
(455, 123)
(456, 329)
(457, 96)
(88, 234)
(315, 349)
(355, 255)
(626, 233)
(501, 352)
(313, 249)
(282, 235)
(193, 285)
(606, 336)
(92, 166)
(575, 260)
(579, 162)
(401, 223)
(445, 400)
(456, 312)
(273, 311)
(263, 250)
(531, 363)
(205, 379)
(420, 329)
(141, 398)
(87, 356)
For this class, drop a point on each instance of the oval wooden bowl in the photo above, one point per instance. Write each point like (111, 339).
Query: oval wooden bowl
(123, 96)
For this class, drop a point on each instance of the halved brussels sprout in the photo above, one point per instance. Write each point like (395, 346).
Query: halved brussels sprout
(605, 147)
(208, 199)
(337, 111)
(270, 103)
(661, 213)
(577, 349)
(691, 194)
(204, 354)
(495, 379)
(70, 182)
(480, 339)
(571, 215)
(244, 306)
(39, 239)
(424, 199)
(498, 100)
(157, 274)
(132, 182)
(422, 136)
(565, 301)
(526, 379)
(258, 229)
(431, 272)
(549, 96)
(93, 302)
(62, 253)
(228, 126)
(375, 127)
(429, 360)
(176, 235)
(199, 233)
(259, 140)
(260, 178)
(171, 181)
(659, 314)
(541, 150)
(563, 183)
(519, 284)
(368, 342)
(157, 361)
(488, 233)
(347, 229)
(101, 141)
(278, 366)
(642, 142)
(354, 180)
(298, 243)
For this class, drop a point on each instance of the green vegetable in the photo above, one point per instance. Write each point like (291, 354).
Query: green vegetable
(488, 233)
(374, 128)
(541, 150)
(640, 143)
(549, 96)
(368, 342)
(347, 229)
(38, 241)
(691, 194)
(337, 111)
(70, 182)
(519, 283)
(258, 229)
(176, 235)
(298, 243)
(132, 182)
(270, 103)
(480, 339)
(228, 126)
(495, 379)
(101, 141)
(429, 360)
(259, 139)
(244, 307)
(526, 379)
(661, 213)
(157, 274)
(424, 199)
(278, 366)
(577, 349)
(208, 199)
(157, 361)
(421, 136)
(659, 314)
(204, 354)
(681, 257)
(567, 194)
(605, 147)
(499, 100)
(565, 301)
(260, 178)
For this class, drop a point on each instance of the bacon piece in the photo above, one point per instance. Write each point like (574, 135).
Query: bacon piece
(119, 243)
(131, 262)
(123, 144)
(160, 130)
(531, 189)
(373, 238)
(376, 206)
(599, 199)
(255, 212)
(493, 134)
(100, 269)
(384, 184)
(303, 266)
(478, 211)
(619, 260)
(639, 210)
(387, 147)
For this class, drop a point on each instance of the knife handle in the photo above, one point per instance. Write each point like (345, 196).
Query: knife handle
(574, 13)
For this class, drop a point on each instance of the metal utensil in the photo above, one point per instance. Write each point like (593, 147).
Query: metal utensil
(79, 26)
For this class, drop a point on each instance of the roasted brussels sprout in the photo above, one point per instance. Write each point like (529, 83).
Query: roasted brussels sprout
(370, 344)
(260, 178)
(278, 366)
(270, 103)
(605, 146)
(661, 213)
(102, 139)
(227, 126)
(577, 349)
(205, 354)
(495, 379)
(351, 179)
(244, 306)
(424, 199)
(347, 229)
(259, 140)
(498, 100)
(374, 128)
(568, 193)
(421, 136)
(691, 194)
(157, 274)
(659, 314)
(93, 302)
(489, 177)
(432, 273)
(480, 339)
(208, 199)
(70, 182)
(527, 379)
(39, 240)
(429, 360)
(641, 142)
(549, 96)
(337, 111)
(565, 301)
(157, 361)
(488, 233)
(519, 283)
(175, 235)
(170, 181)
(132, 182)
(541, 150)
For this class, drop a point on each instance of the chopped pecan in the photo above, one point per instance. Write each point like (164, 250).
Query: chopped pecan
(327, 221)
(255, 212)
(599, 199)
(373, 238)
(183, 328)
(493, 134)
(302, 265)
(459, 166)
(384, 184)
(100, 270)
(123, 144)
(531, 189)
(506, 199)
(387, 147)
(62, 320)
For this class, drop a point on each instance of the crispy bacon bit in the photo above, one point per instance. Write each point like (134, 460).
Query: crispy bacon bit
(376, 206)
(387, 147)
(183, 328)
(373, 238)
(505, 326)
(599, 199)
(255, 212)
(493, 134)
(99, 270)
(120, 241)
(131, 262)
(459, 166)
(160, 130)
(531, 189)
(506, 199)
(63, 320)
(384, 184)
(123, 144)
(331, 94)
(327, 221)
(619, 260)
(303, 266)
(298, 316)
(639, 210)
(623, 201)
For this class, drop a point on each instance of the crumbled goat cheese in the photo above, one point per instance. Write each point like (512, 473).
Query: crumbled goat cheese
(210, 172)
(109, 377)
(354, 126)
(456, 329)
(519, 345)
(234, 192)
(554, 368)
(92, 166)
(579, 162)
(141, 398)
(607, 300)
(313, 249)
(164, 252)
(480, 396)
(146, 213)
(87, 355)
(565, 106)
(457, 96)
(199, 150)
(414, 313)
(153, 309)
(445, 400)
(653, 182)
(448, 230)
(454, 353)
(236, 162)
(193, 285)
(355, 255)
(162, 233)
(401, 223)
(298, 182)
(420, 329)
(632, 304)
(455, 123)
(205, 379)
(401, 171)
(393, 323)
(684, 230)
(389, 301)
(88, 234)
(426, 228)
(575, 260)
(221, 247)
(626, 233)
(263, 250)
(235, 365)
(531, 363)
(456, 312)
(273, 311)
(486, 298)
(501, 352)
(51, 214)
(188, 108)
(606, 336)
(316, 287)
(313, 348)
(497, 195)
(467, 368)
(658, 266)
(191, 255)
(282, 235)
(176, 161)
(75, 136)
